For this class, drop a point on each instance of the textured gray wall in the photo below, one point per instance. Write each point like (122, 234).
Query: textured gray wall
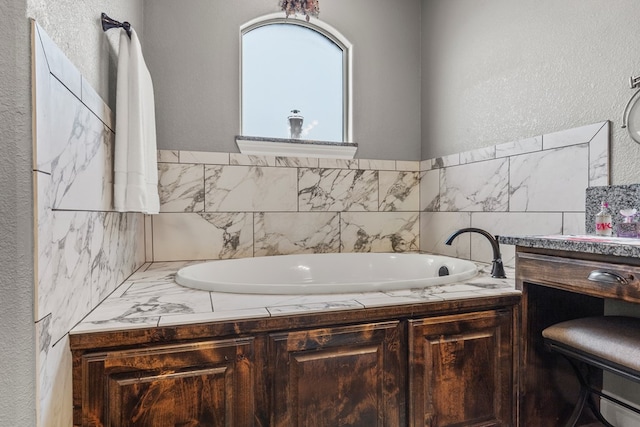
(17, 334)
(192, 50)
(500, 70)
(75, 27)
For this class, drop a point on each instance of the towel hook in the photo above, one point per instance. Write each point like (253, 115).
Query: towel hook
(109, 23)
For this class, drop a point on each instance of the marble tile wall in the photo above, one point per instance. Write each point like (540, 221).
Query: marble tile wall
(84, 249)
(532, 186)
(227, 205)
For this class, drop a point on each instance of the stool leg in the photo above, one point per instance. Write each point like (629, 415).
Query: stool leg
(577, 410)
(586, 395)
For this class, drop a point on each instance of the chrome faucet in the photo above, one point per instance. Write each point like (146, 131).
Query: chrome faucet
(497, 269)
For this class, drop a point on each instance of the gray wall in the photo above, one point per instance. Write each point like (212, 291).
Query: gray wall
(500, 70)
(74, 27)
(17, 334)
(192, 50)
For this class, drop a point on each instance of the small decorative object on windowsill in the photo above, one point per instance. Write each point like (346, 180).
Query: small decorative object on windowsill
(306, 7)
(295, 124)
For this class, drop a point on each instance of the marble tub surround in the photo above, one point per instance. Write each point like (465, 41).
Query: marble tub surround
(84, 249)
(150, 298)
(618, 196)
(229, 205)
(534, 186)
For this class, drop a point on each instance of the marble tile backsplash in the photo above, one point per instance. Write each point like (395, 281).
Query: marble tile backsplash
(532, 186)
(219, 205)
(227, 205)
(84, 249)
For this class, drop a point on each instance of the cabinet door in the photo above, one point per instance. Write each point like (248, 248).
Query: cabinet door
(461, 370)
(341, 376)
(198, 384)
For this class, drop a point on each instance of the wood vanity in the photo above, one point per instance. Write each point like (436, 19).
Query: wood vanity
(439, 363)
(553, 275)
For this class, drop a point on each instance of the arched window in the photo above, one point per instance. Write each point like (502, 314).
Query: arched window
(291, 64)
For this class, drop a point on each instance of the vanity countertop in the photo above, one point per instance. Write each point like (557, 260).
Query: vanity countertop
(600, 245)
(150, 297)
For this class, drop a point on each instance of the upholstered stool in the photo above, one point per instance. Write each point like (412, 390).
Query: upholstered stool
(611, 343)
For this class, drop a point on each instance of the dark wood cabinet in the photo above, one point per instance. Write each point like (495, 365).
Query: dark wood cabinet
(342, 376)
(202, 384)
(461, 370)
(430, 364)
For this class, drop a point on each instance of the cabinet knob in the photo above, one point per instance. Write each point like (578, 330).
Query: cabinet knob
(608, 277)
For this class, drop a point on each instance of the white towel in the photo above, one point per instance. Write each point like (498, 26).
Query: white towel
(136, 164)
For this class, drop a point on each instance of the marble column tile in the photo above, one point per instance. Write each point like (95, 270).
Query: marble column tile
(510, 223)
(251, 160)
(54, 379)
(436, 227)
(250, 189)
(148, 238)
(599, 157)
(168, 156)
(338, 163)
(204, 157)
(64, 286)
(367, 164)
(399, 191)
(59, 64)
(97, 106)
(407, 166)
(337, 190)
(193, 236)
(523, 146)
(481, 186)
(43, 237)
(478, 155)
(181, 187)
(573, 223)
(82, 173)
(379, 231)
(430, 191)
(297, 162)
(563, 138)
(543, 181)
(295, 233)
(53, 129)
(115, 250)
(72, 144)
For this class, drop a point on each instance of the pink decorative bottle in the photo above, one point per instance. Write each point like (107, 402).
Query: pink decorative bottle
(603, 221)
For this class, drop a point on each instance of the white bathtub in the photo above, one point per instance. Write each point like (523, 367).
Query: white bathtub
(325, 273)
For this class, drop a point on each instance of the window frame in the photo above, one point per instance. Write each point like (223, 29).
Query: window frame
(330, 33)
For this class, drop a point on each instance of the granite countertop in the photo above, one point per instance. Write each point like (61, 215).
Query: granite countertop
(150, 297)
(616, 246)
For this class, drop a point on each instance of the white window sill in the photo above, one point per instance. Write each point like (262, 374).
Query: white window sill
(254, 145)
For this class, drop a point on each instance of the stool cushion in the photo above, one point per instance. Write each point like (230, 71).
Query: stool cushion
(615, 339)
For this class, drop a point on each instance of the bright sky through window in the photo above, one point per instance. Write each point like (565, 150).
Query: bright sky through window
(290, 67)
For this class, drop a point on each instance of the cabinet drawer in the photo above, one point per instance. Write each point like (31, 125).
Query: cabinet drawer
(600, 279)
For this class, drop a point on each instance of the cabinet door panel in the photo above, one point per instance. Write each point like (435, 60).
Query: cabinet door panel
(462, 370)
(199, 384)
(343, 376)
